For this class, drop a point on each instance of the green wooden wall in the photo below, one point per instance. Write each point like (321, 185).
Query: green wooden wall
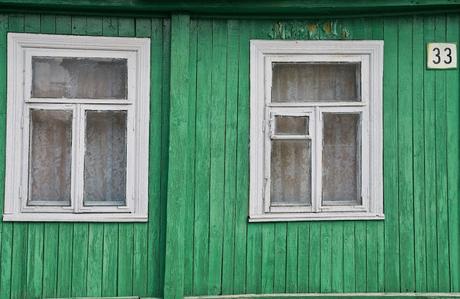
(415, 249)
(81, 259)
(203, 244)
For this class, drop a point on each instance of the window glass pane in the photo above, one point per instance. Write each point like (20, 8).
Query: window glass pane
(105, 158)
(50, 157)
(310, 82)
(85, 78)
(291, 125)
(291, 172)
(341, 159)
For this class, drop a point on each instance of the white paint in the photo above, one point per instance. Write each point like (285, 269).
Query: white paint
(441, 55)
(21, 48)
(262, 54)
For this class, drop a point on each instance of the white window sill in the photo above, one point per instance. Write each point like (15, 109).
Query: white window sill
(65, 217)
(315, 217)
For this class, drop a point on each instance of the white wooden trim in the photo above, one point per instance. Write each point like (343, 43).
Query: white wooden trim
(262, 54)
(21, 47)
(329, 295)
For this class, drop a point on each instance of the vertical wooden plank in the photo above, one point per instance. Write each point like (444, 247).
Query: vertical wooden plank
(78, 25)
(253, 259)
(126, 27)
(314, 273)
(280, 257)
(349, 282)
(418, 67)
(63, 25)
(95, 257)
(242, 177)
(94, 25)
(390, 155)
(268, 258)
(174, 280)
(303, 258)
(453, 153)
(360, 256)
(202, 158)
(372, 257)
(191, 149)
(441, 167)
(337, 251)
(291, 257)
(32, 23)
(430, 166)
(231, 160)
(326, 257)
(156, 159)
(110, 26)
(140, 234)
(164, 150)
(79, 259)
(48, 24)
(405, 149)
(217, 160)
(109, 260)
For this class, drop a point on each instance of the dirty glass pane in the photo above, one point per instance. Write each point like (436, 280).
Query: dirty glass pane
(311, 82)
(84, 78)
(291, 125)
(341, 159)
(105, 158)
(50, 157)
(291, 172)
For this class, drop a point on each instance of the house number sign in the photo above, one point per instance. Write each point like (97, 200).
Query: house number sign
(442, 55)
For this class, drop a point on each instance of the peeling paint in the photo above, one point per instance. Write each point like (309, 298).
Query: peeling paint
(329, 29)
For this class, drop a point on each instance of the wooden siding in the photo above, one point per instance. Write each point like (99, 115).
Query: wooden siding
(91, 259)
(415, 249)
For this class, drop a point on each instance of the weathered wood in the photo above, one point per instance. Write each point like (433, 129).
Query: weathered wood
(174, 255)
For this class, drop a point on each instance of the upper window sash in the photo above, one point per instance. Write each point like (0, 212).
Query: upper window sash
(292, 58)
(131, 58)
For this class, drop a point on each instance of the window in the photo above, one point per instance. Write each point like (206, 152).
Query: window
(316, 130)
(77, 128)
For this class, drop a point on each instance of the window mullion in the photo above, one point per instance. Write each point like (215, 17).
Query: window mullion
(316, 201)
(78, 157)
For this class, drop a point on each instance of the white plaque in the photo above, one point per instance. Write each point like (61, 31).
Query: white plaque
(442, 56)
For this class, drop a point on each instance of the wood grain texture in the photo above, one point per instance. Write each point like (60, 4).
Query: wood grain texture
(199, 170)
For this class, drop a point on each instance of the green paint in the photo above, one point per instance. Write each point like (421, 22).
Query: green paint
(198, 240)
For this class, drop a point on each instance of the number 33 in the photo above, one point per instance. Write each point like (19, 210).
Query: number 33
(437, 55)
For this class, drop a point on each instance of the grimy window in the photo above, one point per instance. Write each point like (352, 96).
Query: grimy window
(316, 130)
(77, 131)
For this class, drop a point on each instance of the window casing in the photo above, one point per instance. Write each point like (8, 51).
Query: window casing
(316, 130)
(77, 128)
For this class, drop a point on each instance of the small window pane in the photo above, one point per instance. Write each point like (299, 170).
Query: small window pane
(105, 158)
(291, 125)
(311, 82)
(291, 172)
(341, 159)
(50, 157)
(84, 78)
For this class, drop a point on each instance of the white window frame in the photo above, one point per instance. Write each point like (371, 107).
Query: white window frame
(21, 48)
(263, 54)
